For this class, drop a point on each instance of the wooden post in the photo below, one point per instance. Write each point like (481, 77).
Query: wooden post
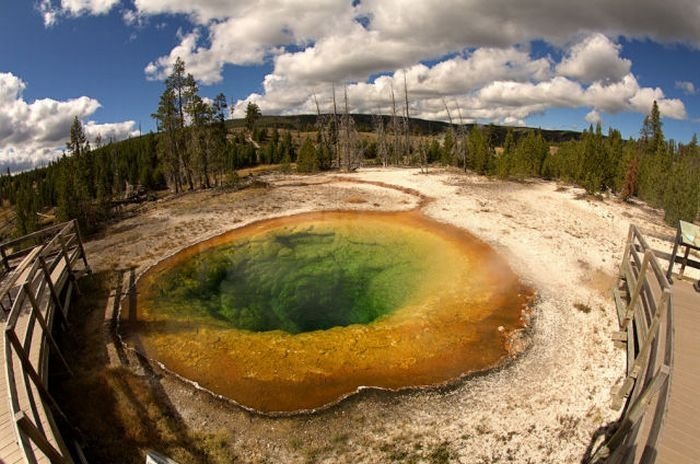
(641, 279)
(54, 295)
(29, 429)
(628, 246)
(66, 256)
(5, 262)
(677, 242)
(643, 350)
(634, 414)
(80, 244)
(29, 369)
(44, 326)
(684, 263)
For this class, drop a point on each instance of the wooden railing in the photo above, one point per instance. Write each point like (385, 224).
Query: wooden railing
(22, 246)
(645, 314)
(39, 290)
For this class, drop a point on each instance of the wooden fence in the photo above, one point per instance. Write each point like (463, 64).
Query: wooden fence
(37, 291)
(645, 313)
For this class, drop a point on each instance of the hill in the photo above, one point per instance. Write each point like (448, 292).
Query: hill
(365, 123)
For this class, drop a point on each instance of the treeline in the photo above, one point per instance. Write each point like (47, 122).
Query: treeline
(194, 148)
(661, 172)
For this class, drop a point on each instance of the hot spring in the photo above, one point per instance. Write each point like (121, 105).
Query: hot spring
(296, 313)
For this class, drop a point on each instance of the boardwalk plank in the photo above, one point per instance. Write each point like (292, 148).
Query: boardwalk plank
(679, 437)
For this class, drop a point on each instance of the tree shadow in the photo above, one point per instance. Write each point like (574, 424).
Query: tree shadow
(120, 411)
(599, 437)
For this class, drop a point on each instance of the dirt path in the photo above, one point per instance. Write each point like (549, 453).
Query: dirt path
(541, 408)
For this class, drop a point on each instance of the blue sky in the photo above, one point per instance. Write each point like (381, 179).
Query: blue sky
(535, 62)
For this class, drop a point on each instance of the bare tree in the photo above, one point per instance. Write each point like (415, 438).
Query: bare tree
(464, 151)
(382, 148)
(335, 129)
(454, 149)
(325, 129)
(320, 122)
(347, 138)
(423, 154)
(395, 126)
(407, 123)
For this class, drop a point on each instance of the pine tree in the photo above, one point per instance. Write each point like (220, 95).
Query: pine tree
(505, 161)
(529, 156)
(74, 196)
(593, 162)
(26, 207)
(630, 177)
(79, 147)
(481, 156)
(655, 161)
(219, 136)
(167, 119)
(179, 97)
(307, 161)
(252, 114)
(448, 145)
(614, 147)
(682, 192)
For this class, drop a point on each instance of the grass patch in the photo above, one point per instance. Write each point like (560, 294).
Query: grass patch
(441, 454)
(584, 308)
(406, 452)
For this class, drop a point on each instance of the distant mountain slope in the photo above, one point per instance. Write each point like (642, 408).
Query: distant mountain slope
(365, 123)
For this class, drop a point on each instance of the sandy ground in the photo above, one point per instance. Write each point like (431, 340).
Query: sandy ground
(543, 407)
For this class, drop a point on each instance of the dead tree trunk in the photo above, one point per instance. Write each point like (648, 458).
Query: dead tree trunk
(463, 138)
(382, 150)
(407, 126)
(395, 125)
(335, 130)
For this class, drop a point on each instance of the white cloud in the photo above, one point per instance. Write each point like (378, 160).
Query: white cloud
(244, 33)
(596, 58)
(33, 133)
(48, 12)
(330, 44)
(687, 87)
(200, 62)
(561, 92)
(471, 53)
(109, 131)
(51, 10)
(286, 92)
(484, 86)
(593, 117)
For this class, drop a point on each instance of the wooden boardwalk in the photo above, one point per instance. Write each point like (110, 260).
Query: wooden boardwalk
(36, 287)
(680, 435)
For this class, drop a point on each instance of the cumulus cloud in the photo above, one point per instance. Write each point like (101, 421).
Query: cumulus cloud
(245, 33)
(495, 85)
(593, 117)
(51, 10)
(32, 134)
(596, 58)
(687, 87)
(332, 42)
(484, 68)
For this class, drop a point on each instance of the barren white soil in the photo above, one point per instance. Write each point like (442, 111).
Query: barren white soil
(542, 407)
